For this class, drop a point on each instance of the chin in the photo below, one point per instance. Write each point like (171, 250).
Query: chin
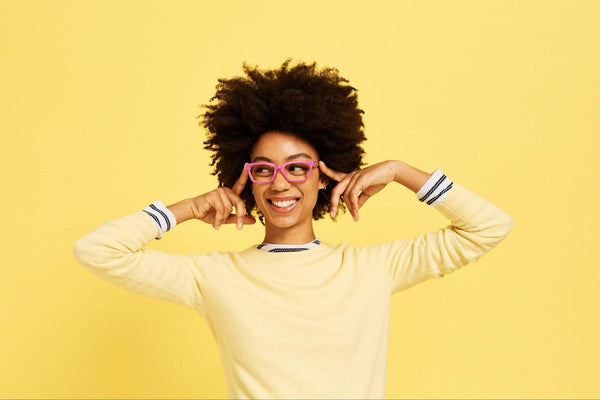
(280, 221)
(281, 224)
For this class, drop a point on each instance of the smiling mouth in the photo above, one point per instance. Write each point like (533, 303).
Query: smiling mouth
(283, 207)
(283, 204)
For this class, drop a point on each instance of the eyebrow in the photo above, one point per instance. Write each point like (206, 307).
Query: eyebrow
(293, 156)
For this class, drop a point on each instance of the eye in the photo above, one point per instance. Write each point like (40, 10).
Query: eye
(299, 166)
(261, 171)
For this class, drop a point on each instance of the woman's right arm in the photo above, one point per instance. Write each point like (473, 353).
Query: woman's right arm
(115, 251)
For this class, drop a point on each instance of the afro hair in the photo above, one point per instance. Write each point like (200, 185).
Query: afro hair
(314, 105)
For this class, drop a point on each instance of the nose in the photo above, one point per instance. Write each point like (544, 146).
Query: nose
(279, 182)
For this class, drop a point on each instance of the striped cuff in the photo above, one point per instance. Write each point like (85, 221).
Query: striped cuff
(435, 190)
(162, 216)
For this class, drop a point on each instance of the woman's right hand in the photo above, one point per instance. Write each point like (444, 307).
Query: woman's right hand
(215, 207)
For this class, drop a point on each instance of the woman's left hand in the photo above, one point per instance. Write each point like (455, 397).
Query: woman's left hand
(366, 181)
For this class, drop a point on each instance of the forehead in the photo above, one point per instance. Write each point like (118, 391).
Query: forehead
(277, 146)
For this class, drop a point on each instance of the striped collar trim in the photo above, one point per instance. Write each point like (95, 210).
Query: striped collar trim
(287, 248)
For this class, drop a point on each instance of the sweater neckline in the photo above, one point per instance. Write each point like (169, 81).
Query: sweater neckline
(274, 247)
(296, 257)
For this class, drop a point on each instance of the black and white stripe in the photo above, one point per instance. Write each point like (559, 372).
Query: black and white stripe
(162, 216)
(287, 248)
(435, 190)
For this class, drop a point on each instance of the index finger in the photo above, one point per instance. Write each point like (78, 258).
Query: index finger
(338, 176)
(239, 185)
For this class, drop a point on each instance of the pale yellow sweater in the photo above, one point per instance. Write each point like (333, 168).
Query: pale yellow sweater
(307, 324)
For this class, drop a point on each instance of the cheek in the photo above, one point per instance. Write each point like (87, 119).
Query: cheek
(256, 193)
(311, 194)
(258, 198)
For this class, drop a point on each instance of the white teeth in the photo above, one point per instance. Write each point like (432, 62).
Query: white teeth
(284, 204)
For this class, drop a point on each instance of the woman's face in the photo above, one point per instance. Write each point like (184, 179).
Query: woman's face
(280, 147)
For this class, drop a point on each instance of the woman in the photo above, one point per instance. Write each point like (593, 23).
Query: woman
(294, 317)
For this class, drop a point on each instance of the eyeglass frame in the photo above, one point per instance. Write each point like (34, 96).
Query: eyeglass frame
(281, 167)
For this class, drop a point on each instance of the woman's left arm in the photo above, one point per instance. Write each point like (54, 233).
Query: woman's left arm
(477, 225)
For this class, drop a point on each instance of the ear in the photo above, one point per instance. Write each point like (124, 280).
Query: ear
(324, 181)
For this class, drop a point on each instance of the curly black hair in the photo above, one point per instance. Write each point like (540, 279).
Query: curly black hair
(311, 104)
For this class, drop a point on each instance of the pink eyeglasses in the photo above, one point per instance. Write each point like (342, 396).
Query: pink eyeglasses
(293, 171)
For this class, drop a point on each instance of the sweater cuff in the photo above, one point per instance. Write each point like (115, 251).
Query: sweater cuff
(435, 190)
(162, 216)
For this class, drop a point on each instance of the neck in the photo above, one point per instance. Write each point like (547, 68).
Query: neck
(290, 235)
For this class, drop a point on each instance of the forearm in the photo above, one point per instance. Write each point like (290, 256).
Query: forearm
(182, 210)
(409, 176)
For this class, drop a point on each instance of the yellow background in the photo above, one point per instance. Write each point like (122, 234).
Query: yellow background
(99, 103)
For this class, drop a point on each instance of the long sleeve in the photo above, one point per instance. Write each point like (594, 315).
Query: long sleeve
(476, 227)
(115, 252)
(435, 190)
(162, 217)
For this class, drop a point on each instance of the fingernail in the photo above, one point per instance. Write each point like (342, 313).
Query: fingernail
(217, 227)
(239, 225)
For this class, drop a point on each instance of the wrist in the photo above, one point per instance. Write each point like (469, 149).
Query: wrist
(399, 168)
(409, 176)
(182, 210)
